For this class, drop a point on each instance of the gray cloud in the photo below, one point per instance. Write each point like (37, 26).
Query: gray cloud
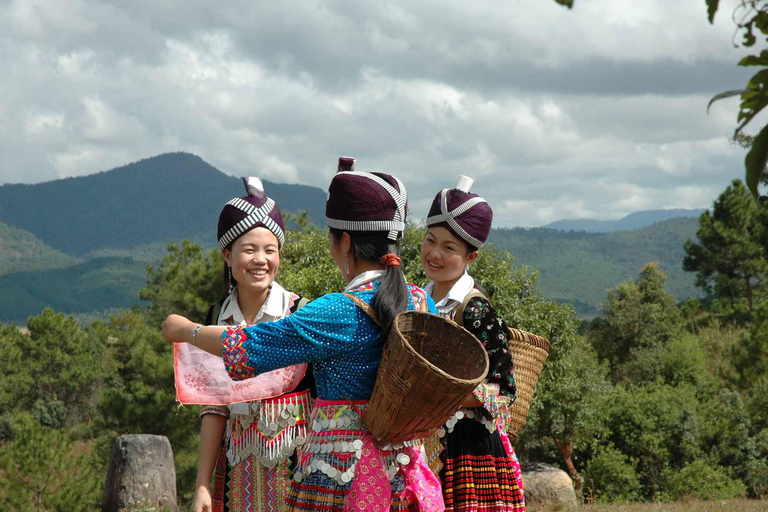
(594, 112)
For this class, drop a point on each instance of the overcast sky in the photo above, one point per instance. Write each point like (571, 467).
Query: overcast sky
(595, 112)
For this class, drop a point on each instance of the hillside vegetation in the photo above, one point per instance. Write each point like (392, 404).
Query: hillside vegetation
(126, 217)
(167, 197)
(21, 251)
(579, 267)
(95, 285)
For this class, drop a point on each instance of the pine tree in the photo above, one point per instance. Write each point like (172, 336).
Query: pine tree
(730, 258)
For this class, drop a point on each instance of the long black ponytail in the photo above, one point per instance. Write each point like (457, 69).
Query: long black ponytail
(392, 296)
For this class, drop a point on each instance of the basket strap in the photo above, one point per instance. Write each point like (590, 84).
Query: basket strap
(364, 306)
(459, 316)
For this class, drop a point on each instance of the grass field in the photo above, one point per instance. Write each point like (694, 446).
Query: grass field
(680, 506)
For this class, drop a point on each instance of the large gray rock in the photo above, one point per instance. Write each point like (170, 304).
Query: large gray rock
(547, 487)
(141, 474)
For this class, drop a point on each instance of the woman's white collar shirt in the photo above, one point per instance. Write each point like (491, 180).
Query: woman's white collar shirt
(273, 307)
(455, 295)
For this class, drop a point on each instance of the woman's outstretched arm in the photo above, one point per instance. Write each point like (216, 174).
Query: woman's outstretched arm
(179, 329)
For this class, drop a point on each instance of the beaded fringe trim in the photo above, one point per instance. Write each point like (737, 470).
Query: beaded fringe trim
(334, 446)
(271, 432)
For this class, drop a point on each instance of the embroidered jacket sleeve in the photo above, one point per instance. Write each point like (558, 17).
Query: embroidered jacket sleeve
(327, 327)
(499, 390)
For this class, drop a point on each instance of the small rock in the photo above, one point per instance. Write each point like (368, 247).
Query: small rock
(547, 487)
(141, 474)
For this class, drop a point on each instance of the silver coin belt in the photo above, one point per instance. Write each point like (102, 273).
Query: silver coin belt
(270, 432)
(334, 446)
(462, 413)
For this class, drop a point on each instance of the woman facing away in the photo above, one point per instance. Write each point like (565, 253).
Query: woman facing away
(479, 469)
(247, 441)
(340, 467)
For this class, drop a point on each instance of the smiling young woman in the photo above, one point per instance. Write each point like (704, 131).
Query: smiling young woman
(477, 466)
(249, 432)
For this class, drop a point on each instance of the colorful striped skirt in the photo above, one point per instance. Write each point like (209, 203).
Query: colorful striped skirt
(479, 469)
(341, 467)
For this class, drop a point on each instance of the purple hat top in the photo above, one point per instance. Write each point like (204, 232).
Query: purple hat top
(366, 201)
(467, 215)
(242, 214)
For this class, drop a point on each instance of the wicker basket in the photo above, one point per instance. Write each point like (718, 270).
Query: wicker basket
(428, 367)
(529, 352)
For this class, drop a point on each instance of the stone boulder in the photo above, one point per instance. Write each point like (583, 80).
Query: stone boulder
(547, 487)
(141, 475)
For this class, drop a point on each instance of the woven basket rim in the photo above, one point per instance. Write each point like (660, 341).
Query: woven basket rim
(533, 339)
(439, 371)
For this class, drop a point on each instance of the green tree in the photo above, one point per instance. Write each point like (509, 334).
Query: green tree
(187, 282)
(753, 21)
(752, 361)
(565, 412)
(702, 481)
(54, 370)
(640, 320)
(730, 257)
(140, 397)
(612, 477)
(41, 470)
(306, 266)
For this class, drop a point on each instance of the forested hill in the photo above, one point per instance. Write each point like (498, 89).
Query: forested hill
(163, 198)
(579, 267)
(21, 251)
(634, 220)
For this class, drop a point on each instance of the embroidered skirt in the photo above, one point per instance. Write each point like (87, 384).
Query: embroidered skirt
(479, 467)
(340, 467)
(253, 473)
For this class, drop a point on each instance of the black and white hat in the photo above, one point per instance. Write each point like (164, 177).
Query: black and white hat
(243, 214)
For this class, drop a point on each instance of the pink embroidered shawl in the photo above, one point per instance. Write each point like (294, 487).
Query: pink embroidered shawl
(201, 378)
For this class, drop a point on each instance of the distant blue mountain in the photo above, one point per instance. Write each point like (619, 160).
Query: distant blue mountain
(632, 221)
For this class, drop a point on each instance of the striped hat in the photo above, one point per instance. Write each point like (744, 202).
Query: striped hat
(366, 201)
(242, 214)
(467, 215)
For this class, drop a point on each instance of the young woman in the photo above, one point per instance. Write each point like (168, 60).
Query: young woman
(342, 334)
(479, 467)
(249, 437)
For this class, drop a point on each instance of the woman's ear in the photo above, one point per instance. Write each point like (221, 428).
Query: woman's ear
(471, 257)
(345, 243)
(227, 256)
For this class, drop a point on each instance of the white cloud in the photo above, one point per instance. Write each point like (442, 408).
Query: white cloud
(593, 112)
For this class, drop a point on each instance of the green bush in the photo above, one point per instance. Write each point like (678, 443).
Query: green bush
(41, 470)
(50, 412)
(612, 477)
(701, 481)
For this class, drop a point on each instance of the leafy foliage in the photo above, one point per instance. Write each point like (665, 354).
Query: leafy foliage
(731, 253)
(40, 469)
(640, 319)
(654, 402)
(753, 19)
(187, 282)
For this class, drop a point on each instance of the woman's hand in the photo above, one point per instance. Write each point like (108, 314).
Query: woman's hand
(202, 500)
(177, 328)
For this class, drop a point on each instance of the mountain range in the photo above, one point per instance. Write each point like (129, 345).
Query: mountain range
(632, 221)
(82, 244)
